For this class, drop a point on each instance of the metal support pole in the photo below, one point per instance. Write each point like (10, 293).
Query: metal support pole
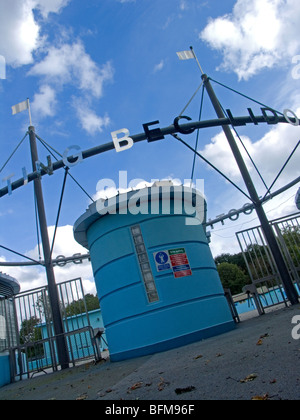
(287, 282)
(62, 350)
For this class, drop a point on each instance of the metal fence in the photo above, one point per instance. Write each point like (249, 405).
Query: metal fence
(288, 235)
(261, 265)
(8, 326)
(35, 350)
(38, 356)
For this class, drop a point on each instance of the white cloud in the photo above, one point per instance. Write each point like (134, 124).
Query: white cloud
(44, 103)
(6, 212)
(19, 30)
(256, 35)
(106, 188)
(19, 33)
(69, 63)
(269, 154)
(65, 244)
(158, 67)
(60, 65)
(183, 5)
(50, 6)
(223, 238)
(89, 120)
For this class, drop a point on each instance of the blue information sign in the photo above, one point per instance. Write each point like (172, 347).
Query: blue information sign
(162, 261)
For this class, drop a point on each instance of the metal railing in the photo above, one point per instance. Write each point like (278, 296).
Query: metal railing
(261, 265)
(32, 358)
(8, 327)
(34, 348)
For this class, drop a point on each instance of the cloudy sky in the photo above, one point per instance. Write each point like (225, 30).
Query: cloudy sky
(93, 67)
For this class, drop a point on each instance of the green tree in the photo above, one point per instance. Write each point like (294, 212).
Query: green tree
(30, 332)
(232, 277)
(77, 306)
(291, 236)
(237, 259)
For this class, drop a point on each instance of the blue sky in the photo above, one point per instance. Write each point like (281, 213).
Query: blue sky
(93, 67)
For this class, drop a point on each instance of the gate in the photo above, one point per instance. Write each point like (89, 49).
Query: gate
(260, 263)
(8, 329)
(36, 348)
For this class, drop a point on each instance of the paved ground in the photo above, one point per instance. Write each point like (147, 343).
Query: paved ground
(258, 359)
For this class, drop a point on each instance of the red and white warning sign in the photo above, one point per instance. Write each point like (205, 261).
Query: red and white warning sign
(180, 263)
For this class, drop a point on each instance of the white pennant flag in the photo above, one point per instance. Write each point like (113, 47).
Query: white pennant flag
(22, 106)
(185, 55)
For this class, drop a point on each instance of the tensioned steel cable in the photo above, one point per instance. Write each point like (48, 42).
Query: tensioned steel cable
(198, 133)
(239, 137)
(282, 169)
(190, 101)
(245, 96)
(59, 209)
(13, 152)
(246, 150)
(21, 255)
(48, 147)
(278, 112)
(210, 164)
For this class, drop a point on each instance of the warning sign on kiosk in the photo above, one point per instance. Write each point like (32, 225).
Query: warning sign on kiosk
(180, 263)
(175, 259)
(162, 261)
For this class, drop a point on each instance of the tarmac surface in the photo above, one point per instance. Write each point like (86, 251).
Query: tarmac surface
(258, 360)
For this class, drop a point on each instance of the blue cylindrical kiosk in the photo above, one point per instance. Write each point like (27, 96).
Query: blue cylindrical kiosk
(156, 279)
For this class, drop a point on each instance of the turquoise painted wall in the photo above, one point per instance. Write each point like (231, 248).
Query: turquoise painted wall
(4, 369)
(78, 340)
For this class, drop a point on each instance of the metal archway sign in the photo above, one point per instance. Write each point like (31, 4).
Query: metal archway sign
(122, 140)
(125, 142)
(269, 116)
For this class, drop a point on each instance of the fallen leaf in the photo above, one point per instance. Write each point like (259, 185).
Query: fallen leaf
(136, 386)
(249, 378)
(260, 397)
(82, 397)
(264, 336)
(261, 338)
(198, 357)
(273, 381)
(162, 384)
(184, 390)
